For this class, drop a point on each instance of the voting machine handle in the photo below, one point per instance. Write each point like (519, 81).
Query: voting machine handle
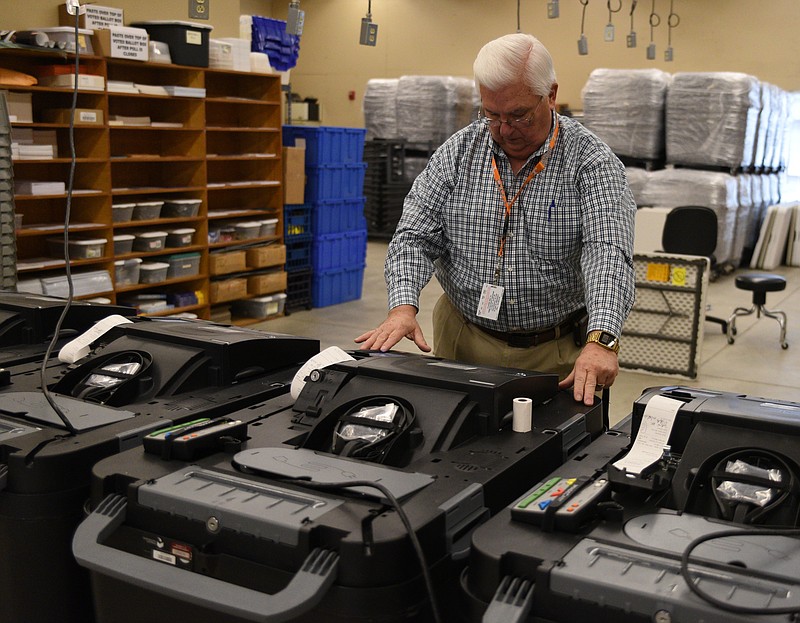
(304, 591)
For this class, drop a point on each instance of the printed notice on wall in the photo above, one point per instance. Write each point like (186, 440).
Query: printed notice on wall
(654, 430)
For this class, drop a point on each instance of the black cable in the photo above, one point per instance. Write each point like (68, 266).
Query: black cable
(394, 503)
(519, 26)
(655, 20)
(633, 8)
(723, 605)
(585, 3)
(672, 23)
(70, 287)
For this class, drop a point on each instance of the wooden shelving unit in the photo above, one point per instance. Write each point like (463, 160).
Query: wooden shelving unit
(223, 149)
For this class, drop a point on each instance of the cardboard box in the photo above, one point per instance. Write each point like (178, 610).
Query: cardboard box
(294, 174)
(20, 107)
(268, 255)
(228, 290)
(266, 283)
(226, 263)
(122, 42)
(92, 16)
(83, 116)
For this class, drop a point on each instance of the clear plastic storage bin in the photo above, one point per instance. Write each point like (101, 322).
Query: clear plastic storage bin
(147, 210)
(122, 212)
(153, 272)
(123, 244)
(183, 265)
(78, 249)
(180, 237)
(260, 306)
(178, 208)
(150, 241)
(126, 272)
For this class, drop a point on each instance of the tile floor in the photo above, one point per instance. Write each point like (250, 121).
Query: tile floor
(755, 364)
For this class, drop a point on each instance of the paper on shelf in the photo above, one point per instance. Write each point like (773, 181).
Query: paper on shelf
(327, 357)
(653, 435)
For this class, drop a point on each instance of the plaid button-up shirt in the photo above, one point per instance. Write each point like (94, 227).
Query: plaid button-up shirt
(569, 241)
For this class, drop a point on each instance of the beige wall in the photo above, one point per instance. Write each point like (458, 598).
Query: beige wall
(443, 36)
(224, 14)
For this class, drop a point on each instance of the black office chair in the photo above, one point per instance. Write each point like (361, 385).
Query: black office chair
(692, 230)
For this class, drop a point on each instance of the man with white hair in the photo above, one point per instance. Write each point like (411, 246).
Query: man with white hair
(528, 221)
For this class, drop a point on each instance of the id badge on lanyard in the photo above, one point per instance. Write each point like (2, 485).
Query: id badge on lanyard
(492, 293)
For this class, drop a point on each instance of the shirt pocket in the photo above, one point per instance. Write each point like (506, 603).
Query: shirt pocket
(553, 228)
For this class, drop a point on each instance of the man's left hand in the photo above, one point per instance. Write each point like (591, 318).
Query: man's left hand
(595, 368)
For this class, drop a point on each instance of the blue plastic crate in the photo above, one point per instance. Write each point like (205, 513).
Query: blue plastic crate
(296, 220)
(298, 253)
(335, 181)
(336, 286)
(327, 144)
(344, 250)
(333, 217)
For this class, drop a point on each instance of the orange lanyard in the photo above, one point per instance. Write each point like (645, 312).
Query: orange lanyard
(536, 170)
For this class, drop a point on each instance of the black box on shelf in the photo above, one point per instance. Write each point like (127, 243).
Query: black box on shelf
(187, 41)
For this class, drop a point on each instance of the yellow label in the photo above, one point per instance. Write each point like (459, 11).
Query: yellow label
(658, 272)
(194, 37)
(678, 276)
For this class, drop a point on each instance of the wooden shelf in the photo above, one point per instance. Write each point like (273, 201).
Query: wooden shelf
(224, 149)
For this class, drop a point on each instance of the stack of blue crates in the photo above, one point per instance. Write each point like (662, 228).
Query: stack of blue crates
(334, 198)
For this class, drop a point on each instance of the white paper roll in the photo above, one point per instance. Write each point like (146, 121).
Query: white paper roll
(522, 415)
(329, 356)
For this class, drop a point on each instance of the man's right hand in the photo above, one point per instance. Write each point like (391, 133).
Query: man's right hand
(401, 322)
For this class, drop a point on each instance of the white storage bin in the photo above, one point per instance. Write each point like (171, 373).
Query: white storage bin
(153, 272)
(126, 272)
(178, 208)
(268, 227)
(122, 212)
(247, 230)
(147, 210)
(180, 237)
(150, 241)
(123, 244)
(261, 306)
(78, 249)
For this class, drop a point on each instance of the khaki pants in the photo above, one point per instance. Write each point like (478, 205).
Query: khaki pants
(455, 338)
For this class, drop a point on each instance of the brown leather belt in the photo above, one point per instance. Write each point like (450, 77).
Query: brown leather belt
(536, 338)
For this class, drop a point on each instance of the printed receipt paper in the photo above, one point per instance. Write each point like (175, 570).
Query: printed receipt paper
(653, 435)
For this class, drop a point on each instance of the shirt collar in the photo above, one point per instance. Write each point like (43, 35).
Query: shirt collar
(535, 156)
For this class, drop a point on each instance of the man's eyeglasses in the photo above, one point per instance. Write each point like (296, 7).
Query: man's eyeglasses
(493, 121)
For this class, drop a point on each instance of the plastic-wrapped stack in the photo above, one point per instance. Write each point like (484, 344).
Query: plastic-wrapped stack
(744, 216)
(380, 108)
(712, 119)
(637, 180)
(691, 187)
(431, 108)
(334, 211)
(625, 108)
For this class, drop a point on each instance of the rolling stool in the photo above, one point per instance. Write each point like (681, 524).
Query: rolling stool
(759, 284)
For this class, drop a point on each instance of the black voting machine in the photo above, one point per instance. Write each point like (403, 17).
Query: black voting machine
(297, 499)
(194, 370)
(718, 510)
(188, 485)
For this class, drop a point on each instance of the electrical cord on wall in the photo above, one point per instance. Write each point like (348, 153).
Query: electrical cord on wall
(70, 286)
